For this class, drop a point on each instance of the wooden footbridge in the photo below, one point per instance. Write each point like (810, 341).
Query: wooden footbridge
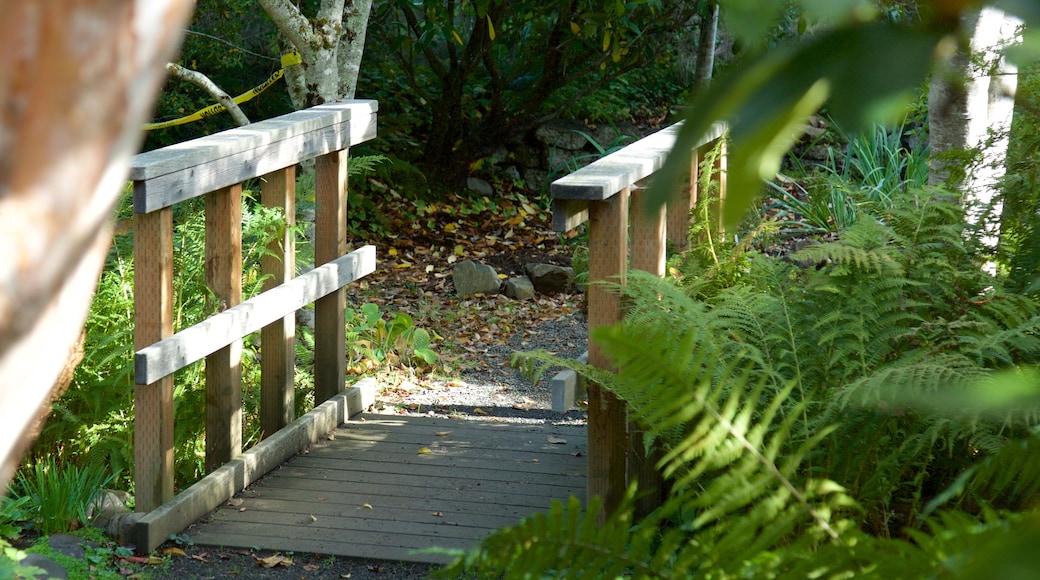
(337, 481)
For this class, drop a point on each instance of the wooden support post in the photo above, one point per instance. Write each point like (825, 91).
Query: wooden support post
(153, 321)
(648, 254)
(278, 340)
(224, 367)
(608, 437)
(720, 174)
(330, 224)
(680, 206)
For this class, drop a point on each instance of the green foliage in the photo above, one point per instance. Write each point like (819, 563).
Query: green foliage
(61, 495)
(12, 514)
(374, 341)
(9, 563)
(804, 415)
(468, 77)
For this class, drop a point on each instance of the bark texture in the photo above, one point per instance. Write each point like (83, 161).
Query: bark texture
(77, 82)
(330, 45)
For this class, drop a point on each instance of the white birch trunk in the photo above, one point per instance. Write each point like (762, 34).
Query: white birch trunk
(331, 47)
(78, 80)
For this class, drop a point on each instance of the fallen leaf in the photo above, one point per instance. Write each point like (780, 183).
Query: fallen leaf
(442, 433)
(314, 518)
(154, 561)
(437, 514)
(312, 567)
(235, 501)
(479, 411)
(367, 506)
(174, 552)
(424, 451)
(530, 461)
(555, 440)
(275, 560)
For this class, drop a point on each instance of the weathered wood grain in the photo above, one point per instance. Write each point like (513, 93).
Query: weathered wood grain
(180, 172)
(153, 321)
(191, 344)
(358, 495)
(607, 176)
(224, 367)
(330, 241)
(278, 339)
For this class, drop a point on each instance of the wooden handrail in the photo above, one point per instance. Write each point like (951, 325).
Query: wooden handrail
(599, 194)
(215, 167)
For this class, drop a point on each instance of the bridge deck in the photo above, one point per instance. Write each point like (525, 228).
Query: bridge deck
(385, 486)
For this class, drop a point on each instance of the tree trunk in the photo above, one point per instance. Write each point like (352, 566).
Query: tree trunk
(706, 48)
(78, 82)
(330, 45)
(970, 110)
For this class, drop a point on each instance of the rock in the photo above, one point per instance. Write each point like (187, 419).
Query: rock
(69, 545)
(50, 568)
(109, 503)
(536, 179)
(480, 186)
(563, 134)
(472, 278)
(519, 288)
(550, 279)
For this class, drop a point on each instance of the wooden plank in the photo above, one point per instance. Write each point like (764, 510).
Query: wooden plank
(680, 206)
(153, 320)
(523, 467)
(278, 339)
(175, 515)
(387, 505)
(348, 524)
(390, 516)
(401, 547)
(186, 170)
(568, 214)
(648, 234)
(192, 344)
(400, 509)
(607, 176)
(391, 494)
(224, 367)
(330, 223)
(608, 439)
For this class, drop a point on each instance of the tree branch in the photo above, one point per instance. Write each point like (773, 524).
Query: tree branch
(203, 82)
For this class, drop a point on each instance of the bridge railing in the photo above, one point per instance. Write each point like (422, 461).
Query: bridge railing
(215, 167)
(605, 194)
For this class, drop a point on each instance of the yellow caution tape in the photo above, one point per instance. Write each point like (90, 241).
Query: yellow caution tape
(288, 59)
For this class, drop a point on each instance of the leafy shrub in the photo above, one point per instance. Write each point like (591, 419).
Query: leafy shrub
(373, 341)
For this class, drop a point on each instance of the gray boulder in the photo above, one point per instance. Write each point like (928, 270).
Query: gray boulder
(551, 279)
(519, 288)
(472, 278)
(563, 133)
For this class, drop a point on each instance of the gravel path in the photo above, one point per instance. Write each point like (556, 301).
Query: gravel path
(493, 386)
(490, 385)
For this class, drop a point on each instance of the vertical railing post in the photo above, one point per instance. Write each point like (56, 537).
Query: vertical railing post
(330, 222)
(278, 339)
(607, 424)
(680, 206)
(153, 321)
(648, 254)
(719, 170)
(224, 367)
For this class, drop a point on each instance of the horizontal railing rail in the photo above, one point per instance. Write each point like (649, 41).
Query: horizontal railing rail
(215, 167)
(599, 195)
